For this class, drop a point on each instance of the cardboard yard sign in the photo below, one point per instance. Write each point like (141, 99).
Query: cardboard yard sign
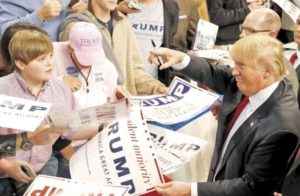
(122, 154)
(54, 186)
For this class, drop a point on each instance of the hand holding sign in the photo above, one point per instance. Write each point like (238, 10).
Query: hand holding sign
(45, 134)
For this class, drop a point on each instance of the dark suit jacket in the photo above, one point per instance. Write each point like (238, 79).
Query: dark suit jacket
(228, 15)
(257, 156)
(291, 185)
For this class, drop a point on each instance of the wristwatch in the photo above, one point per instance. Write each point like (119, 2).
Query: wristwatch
(26, 143)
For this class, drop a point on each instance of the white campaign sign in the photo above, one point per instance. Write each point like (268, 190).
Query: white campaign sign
(22, 114)
(289, 8)
(213, 54)
(174, 149)
(54, 186)
(97, 114)
(206, 35)
(185, 103)
(122, 154)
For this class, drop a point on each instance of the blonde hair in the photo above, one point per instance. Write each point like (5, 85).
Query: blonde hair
(261, 50)
(26, 45)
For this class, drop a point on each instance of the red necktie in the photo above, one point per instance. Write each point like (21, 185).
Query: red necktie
(293, 58)
(298, 154)
(235, 116)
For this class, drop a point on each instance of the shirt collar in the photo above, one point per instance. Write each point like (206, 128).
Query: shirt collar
(259, 98)
(116, 15)
(25, 87)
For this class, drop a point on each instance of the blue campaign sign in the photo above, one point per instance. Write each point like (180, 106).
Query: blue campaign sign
(185, 104)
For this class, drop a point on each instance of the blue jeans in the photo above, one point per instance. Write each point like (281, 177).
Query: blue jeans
(56, 166)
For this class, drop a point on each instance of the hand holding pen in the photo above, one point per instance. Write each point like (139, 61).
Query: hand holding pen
(158, 58)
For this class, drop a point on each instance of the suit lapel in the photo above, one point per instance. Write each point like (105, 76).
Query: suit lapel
(228, 107)
(295, 165)
(251, 123)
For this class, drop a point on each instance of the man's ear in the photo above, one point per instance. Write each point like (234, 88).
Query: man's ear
(268, 71)
(273, 34)
(20, 65)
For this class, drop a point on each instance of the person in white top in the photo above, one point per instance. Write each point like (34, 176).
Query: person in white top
(83, 57)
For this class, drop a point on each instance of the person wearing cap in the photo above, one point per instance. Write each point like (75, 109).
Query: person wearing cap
(83, 57)
(33, 80)
(117, 31)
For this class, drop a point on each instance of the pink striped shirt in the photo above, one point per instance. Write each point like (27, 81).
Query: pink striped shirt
(53, 91)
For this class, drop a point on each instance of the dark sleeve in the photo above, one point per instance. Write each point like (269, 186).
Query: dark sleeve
(216, 77)
(171, 17)
(8, 145)
(224, 13)
(192, 27)
(60, 144)
(264, 169)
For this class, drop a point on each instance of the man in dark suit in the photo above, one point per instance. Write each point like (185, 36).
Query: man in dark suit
(229, 15)
(252, 153)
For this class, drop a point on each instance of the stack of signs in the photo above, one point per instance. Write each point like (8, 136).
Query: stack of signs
(28, 113)
(122, 154)
(50, 186)
(174, 149)
(206, 35)
(184, 104)
(289, 8)
(213, 54)
(97, 114)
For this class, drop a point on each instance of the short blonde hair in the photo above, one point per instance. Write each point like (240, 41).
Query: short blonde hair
(261, 50)
(26, 45)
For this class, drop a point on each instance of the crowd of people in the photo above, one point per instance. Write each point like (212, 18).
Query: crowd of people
(92, 52)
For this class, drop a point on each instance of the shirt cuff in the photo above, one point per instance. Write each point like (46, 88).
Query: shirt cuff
(186, 60)
(36, 20)
(194, 189)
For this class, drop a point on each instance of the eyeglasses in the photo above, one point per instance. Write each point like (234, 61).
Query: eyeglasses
(249, 31)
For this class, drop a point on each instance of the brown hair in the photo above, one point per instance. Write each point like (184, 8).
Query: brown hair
(26, 45)
(6, 66)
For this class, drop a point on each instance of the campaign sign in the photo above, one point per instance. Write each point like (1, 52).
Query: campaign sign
(122, 154)
(174, 149)
(206, 35)
(289, 8)
(212, 54)
(22, 114)
(97, 114)
(54, 186)
(185, 104)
